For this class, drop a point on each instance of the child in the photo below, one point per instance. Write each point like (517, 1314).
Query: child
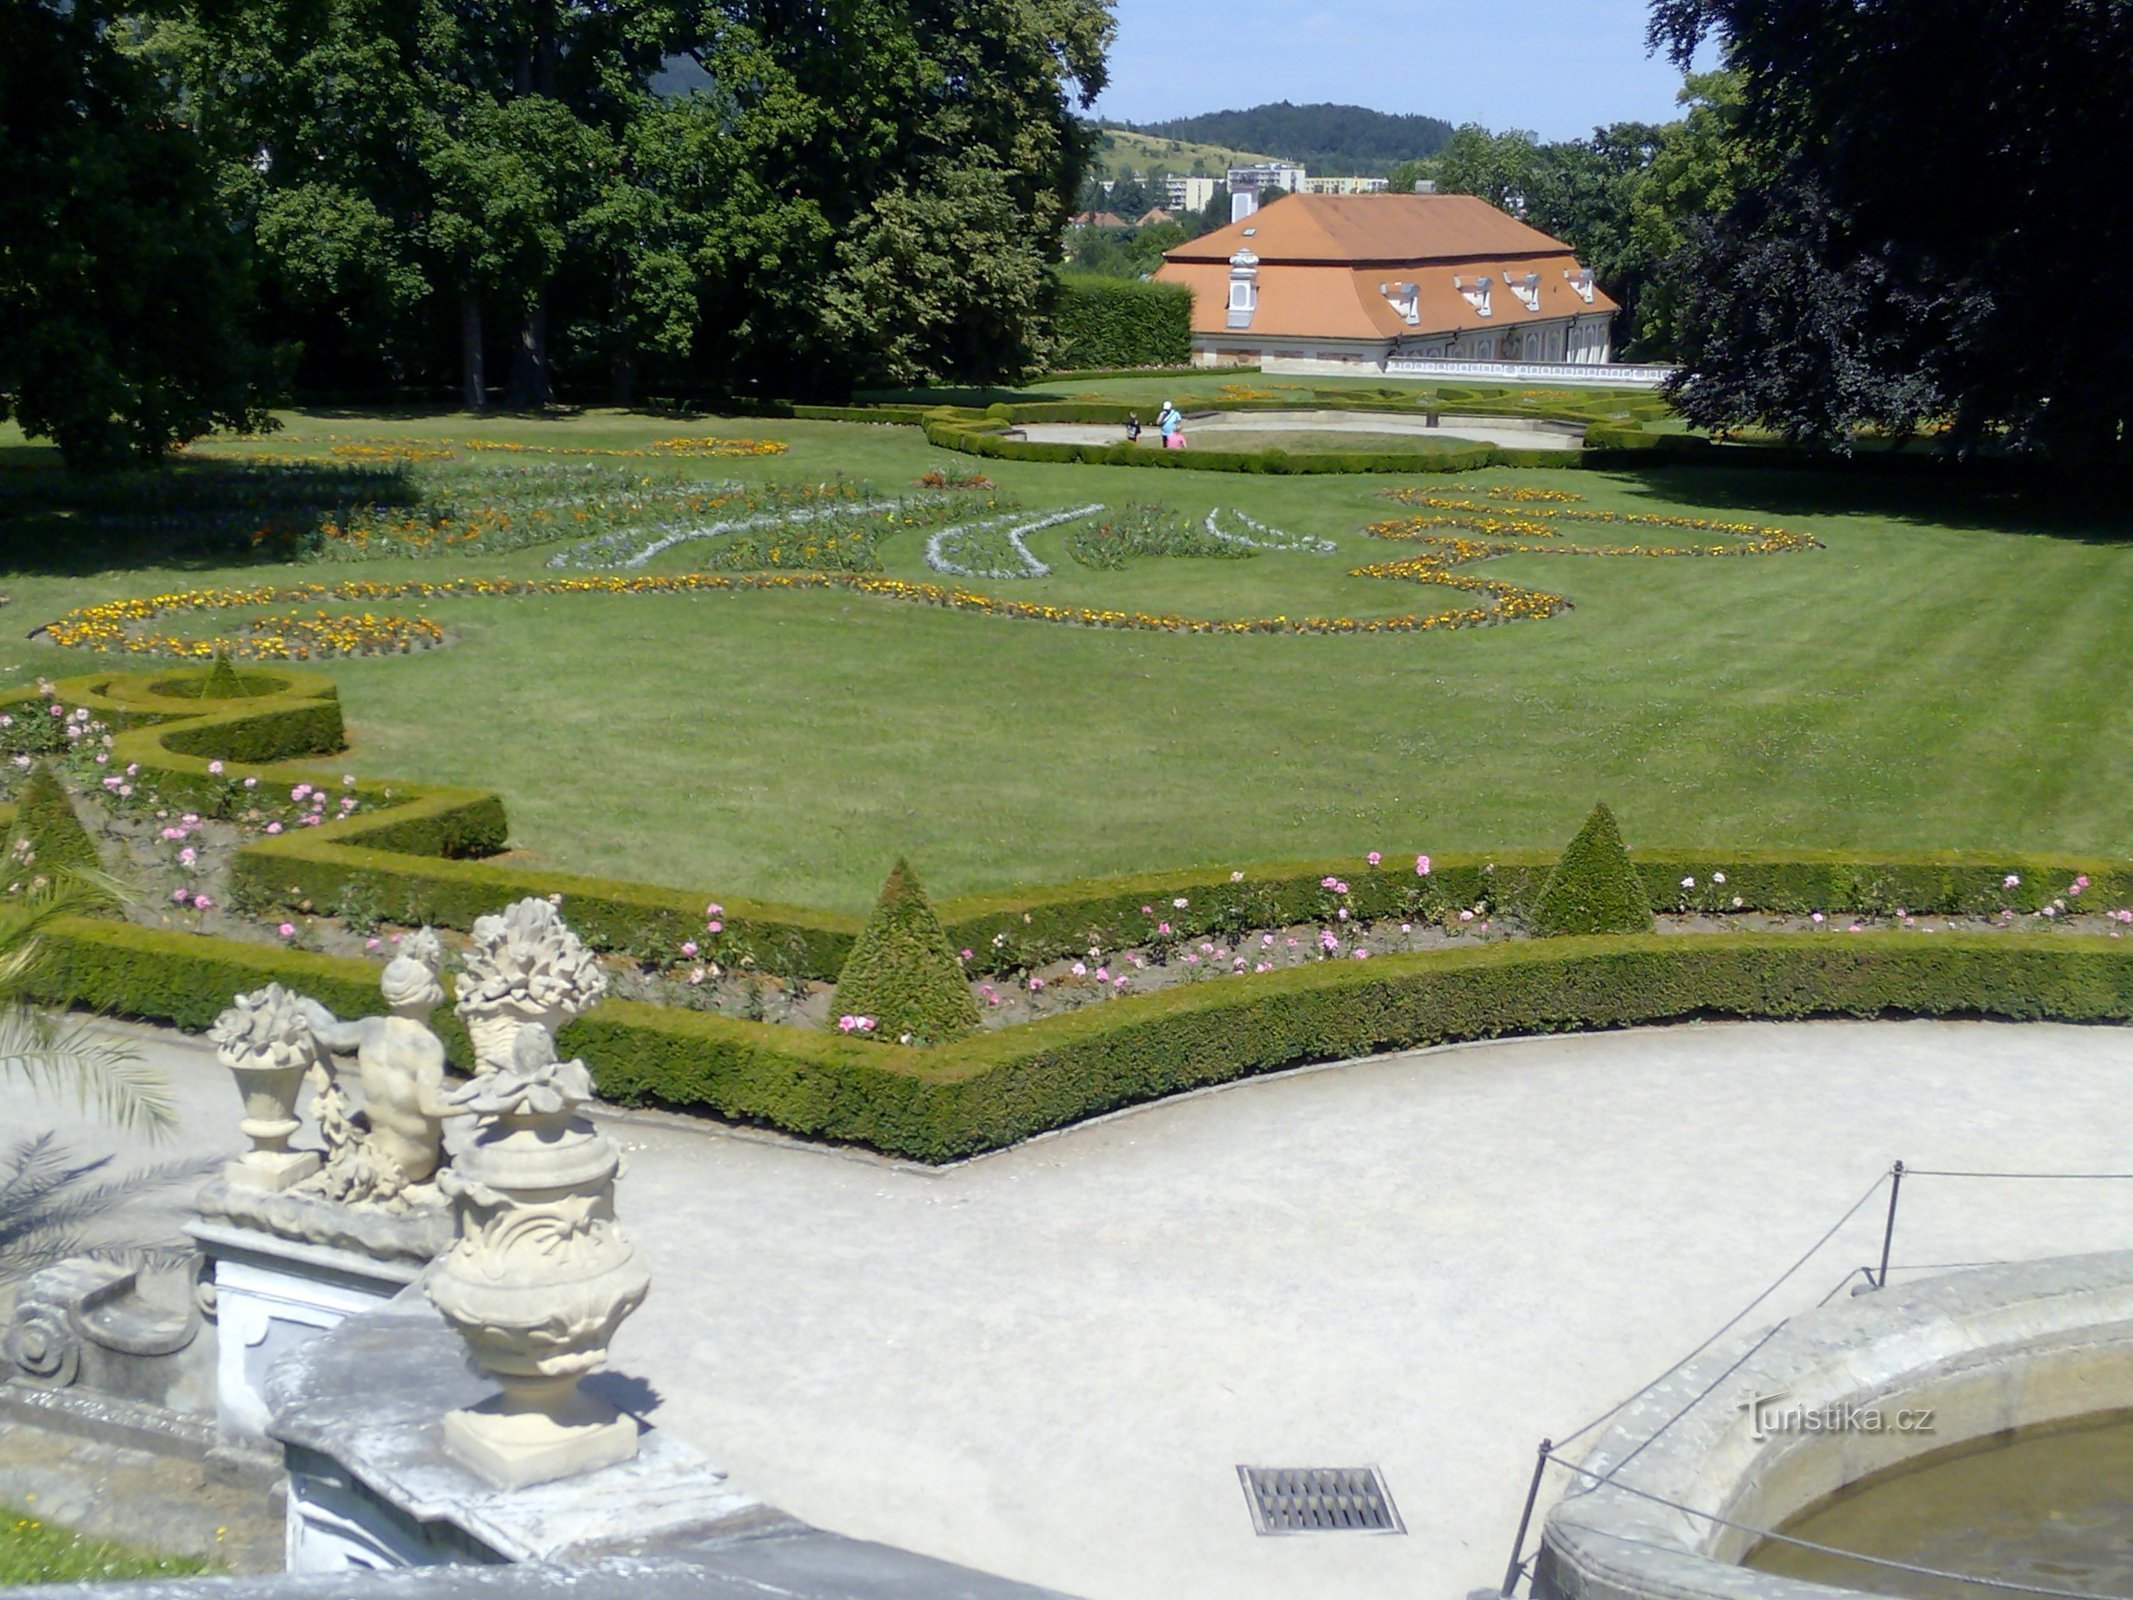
(1133, 427)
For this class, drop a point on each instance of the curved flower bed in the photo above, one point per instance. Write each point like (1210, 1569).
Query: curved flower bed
(415, 851)
(994, 541)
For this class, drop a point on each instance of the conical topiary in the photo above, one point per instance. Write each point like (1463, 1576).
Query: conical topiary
(902, 971)
(1594, 888)
(222, 682)
(46, 825)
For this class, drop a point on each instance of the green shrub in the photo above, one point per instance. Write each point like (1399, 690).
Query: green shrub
(1594, 887)
(1121, 322)
(902, 971)
(1008, 1084)
(222, 682)
(47, 827)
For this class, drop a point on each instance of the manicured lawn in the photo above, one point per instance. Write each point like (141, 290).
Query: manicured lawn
(1948, 671)
(32, 1551)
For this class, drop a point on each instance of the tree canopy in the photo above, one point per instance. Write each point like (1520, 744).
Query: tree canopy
(123, 292)
(1898, 249)
(1323, 138)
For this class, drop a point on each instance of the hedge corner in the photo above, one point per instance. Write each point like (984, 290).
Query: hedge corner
(902, 971)
(1594, 887)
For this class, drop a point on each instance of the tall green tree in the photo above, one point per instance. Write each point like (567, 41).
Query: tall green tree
(1930, 173)
(123, 288)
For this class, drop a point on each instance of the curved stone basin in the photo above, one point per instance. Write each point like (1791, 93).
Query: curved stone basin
(2047, 1508)
(1986, 1352)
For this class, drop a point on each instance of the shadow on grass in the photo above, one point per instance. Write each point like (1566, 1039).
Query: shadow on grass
(186, 513)
(2083, 508)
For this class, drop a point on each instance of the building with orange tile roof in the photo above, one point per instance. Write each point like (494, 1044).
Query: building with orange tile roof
(1367, 280)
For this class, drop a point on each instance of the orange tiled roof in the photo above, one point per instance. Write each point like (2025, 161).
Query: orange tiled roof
(1337, 302)
(1323, 258)
(1377, 229)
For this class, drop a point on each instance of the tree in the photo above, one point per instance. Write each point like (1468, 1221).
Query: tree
(1587, 192)
(1406, 174)
(1498, 167)
(1927, 158)
(1128, 198)
(122, 286)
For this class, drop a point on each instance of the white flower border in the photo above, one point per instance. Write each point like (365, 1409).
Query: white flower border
(1016, 530)
(582, 555)
(1273, 538)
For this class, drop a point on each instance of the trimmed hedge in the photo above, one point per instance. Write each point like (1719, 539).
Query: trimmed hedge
(46, 823)
(984, 440)
(1594, 888)
(1121, 322)
(902, 971)
(419, 850)
(992, 1089)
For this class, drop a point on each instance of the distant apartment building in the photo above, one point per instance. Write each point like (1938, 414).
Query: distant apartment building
(1344, 186)
(1268, 175)
(1188, 194)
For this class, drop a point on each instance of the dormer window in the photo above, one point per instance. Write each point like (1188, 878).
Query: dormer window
(1580, 279)
(1475, 291)
(1528, 290)
(1243, 288)
(1405, 299)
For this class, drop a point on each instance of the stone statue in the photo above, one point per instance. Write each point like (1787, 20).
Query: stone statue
(400, 1065)
(523, 966)
(542, 1274)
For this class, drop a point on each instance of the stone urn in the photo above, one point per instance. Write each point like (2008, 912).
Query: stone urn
(265, 1039)
(541, 1276)
(525, 966)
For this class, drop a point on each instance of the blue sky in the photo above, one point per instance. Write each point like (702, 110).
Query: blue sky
(1555, 66)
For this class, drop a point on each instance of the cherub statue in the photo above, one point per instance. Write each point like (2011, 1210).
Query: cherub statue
(400, 1064)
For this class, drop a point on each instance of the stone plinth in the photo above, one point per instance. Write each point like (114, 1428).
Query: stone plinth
(288, 1267)
(372, 1481)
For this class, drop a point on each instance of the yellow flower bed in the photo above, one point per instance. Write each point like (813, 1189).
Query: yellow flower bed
(123, 625)
(706, 447)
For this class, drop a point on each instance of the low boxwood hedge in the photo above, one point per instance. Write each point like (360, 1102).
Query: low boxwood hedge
(992, 1089)
(419, 851)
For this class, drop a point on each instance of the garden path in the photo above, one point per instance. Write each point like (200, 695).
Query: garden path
(1232, 430)
(1049, 1362)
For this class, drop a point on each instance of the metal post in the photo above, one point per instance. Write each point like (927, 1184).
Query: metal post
(1525, 1518)
(1888, 1231)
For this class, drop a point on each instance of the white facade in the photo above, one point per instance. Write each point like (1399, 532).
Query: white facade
(1188, 194)
(1344, 186)
(1268, 174)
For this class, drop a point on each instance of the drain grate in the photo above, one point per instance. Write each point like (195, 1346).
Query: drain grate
(1319, 1500)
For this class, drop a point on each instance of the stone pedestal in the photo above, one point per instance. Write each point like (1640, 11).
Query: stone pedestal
(360, 1413)
(287, 1267)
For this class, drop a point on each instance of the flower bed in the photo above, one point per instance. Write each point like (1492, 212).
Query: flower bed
(318, 843)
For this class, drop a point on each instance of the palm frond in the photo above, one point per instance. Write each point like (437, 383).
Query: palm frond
(47, 1207)
(105, 1074)
(36, 1167)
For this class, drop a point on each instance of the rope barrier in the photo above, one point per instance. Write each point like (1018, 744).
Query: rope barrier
(1728, 1325)
(2006, 1585)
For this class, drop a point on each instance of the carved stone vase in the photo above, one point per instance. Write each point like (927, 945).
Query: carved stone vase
(541, 1276)
(524, 966)
(265, 1039)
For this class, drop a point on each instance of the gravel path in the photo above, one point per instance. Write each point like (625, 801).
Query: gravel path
(1233, 429)
(1049, 1362)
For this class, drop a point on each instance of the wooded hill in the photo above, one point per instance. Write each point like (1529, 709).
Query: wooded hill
(1330, 139)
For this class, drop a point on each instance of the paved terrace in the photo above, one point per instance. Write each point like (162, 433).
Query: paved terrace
(1050, 1361)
